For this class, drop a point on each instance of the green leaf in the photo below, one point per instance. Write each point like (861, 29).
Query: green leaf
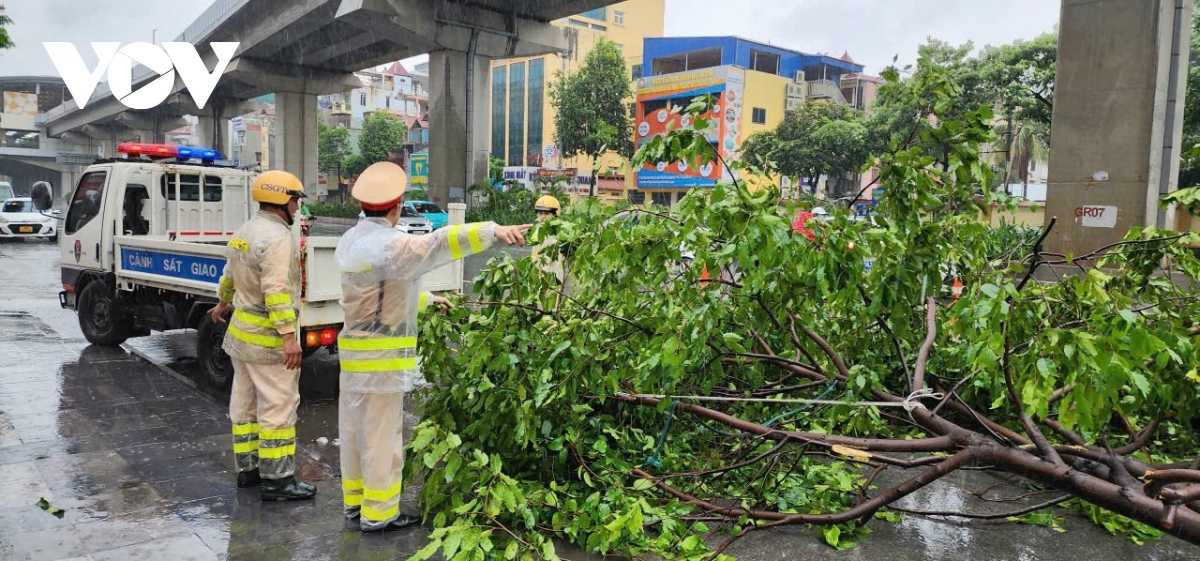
(45, 505)
(832, 535)
(642, 484)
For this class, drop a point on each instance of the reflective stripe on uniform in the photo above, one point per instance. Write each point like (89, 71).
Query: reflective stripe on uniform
(225, 288)
(376, 344)
(276, 453)
(452, 237)
(473, 238)
(252, 319)
(240, 245)
(352, 485)
(253, 339)
(379, 364)
(277, 434)
(282, 316)
(380, 515)
(246, 428)
(282, 299)
(352, 500)
(245, 447)
(382, 496)
(423, 300)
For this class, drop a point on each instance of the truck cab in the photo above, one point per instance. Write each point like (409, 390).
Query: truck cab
(143, 249)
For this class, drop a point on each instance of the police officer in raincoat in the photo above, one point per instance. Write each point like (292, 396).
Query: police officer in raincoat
(381, 270)
(262, 282)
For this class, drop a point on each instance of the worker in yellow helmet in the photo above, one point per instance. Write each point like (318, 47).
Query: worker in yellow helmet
(262, 282)
(547, 207)
(381, 269)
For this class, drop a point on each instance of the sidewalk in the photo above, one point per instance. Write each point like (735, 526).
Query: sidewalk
(140, 461)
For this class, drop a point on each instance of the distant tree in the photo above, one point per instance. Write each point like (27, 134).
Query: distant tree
(382, 134)
(820, 139)
(592, 117)
(5, 21)
(354, 165)
(333, 146)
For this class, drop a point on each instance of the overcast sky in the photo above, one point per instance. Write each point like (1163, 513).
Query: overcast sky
(873, 31)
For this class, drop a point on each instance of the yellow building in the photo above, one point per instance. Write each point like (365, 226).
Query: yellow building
(522, 118)
(755, 85)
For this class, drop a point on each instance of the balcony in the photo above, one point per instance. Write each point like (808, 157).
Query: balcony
(826, 89)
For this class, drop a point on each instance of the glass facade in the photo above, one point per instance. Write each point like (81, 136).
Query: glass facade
(536, 85)
(499, 79)
(516, 114)
(599, 13)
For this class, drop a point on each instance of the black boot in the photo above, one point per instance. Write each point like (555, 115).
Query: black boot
(402, 522)
(286, 489)
(248, 478)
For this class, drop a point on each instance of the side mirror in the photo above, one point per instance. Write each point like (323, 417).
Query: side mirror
(42, 200)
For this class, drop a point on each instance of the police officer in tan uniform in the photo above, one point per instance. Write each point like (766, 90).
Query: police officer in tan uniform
(381, 270)
(262, 283)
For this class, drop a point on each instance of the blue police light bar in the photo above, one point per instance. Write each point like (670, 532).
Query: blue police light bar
(189, 152)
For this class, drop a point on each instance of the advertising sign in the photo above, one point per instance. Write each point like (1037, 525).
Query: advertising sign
(658, 98)
(418, 168)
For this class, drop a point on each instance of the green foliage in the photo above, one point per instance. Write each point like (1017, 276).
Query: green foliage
(5, 22)
(382, 134)
(495, 169)
(591, 116)
(354, 165)
(822, 138)
(349, 209)
(513, 205)
(333, 146)
(528, 431)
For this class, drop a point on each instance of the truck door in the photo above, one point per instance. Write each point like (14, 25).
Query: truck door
(84, 240)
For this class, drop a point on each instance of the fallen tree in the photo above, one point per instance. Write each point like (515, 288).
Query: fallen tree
(625, 414)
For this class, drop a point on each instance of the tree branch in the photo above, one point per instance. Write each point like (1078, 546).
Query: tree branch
(918, 382)
(989, 516)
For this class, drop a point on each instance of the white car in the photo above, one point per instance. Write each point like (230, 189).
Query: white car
(410, 221)
(19, 219)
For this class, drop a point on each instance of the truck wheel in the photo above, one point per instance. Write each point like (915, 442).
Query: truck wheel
(101, 317)
(218, 368)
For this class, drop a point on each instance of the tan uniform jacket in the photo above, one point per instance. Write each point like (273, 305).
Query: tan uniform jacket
(262, 279)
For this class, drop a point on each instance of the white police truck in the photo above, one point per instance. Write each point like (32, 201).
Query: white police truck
(143, 248)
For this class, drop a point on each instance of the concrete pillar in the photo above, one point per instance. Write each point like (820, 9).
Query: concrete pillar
(65, 185)
(211, 132)
(453, 163)
(296, 137)
(1118, 109)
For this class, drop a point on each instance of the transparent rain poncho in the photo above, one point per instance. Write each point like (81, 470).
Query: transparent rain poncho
(262, 280)
(381, 271)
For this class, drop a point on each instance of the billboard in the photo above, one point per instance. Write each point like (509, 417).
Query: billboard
(658, 100)
(418, 168)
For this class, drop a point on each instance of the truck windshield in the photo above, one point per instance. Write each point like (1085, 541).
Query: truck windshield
(17, 206)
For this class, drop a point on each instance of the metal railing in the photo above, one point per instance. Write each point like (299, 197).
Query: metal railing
(825, 89)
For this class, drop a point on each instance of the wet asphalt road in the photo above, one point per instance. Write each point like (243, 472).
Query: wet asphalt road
(136, 450)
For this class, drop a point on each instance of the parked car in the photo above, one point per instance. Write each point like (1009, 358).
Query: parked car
(6, 191)
(19, 219)
(411, 222)
(436, 216)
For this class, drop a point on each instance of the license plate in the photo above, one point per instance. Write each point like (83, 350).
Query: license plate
(25, 229)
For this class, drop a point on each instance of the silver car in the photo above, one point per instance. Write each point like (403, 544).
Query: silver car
(411, 222)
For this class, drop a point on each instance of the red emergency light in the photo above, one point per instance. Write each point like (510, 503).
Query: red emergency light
(143, 149)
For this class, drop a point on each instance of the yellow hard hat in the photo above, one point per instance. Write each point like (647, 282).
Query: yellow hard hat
(277, 188)
(547, 203)
(380, 186)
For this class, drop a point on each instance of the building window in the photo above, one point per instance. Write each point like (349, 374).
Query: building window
(637, 71)
(618, 17)
(759, 116)
(536, 82)
(763, 61)
(581, 23)
(599, 13)
(516, 113)
(691, 60)
(499, 81)
(362, 99)
(661, 199)
(387, 102)
(632, 110)
(620, 47)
